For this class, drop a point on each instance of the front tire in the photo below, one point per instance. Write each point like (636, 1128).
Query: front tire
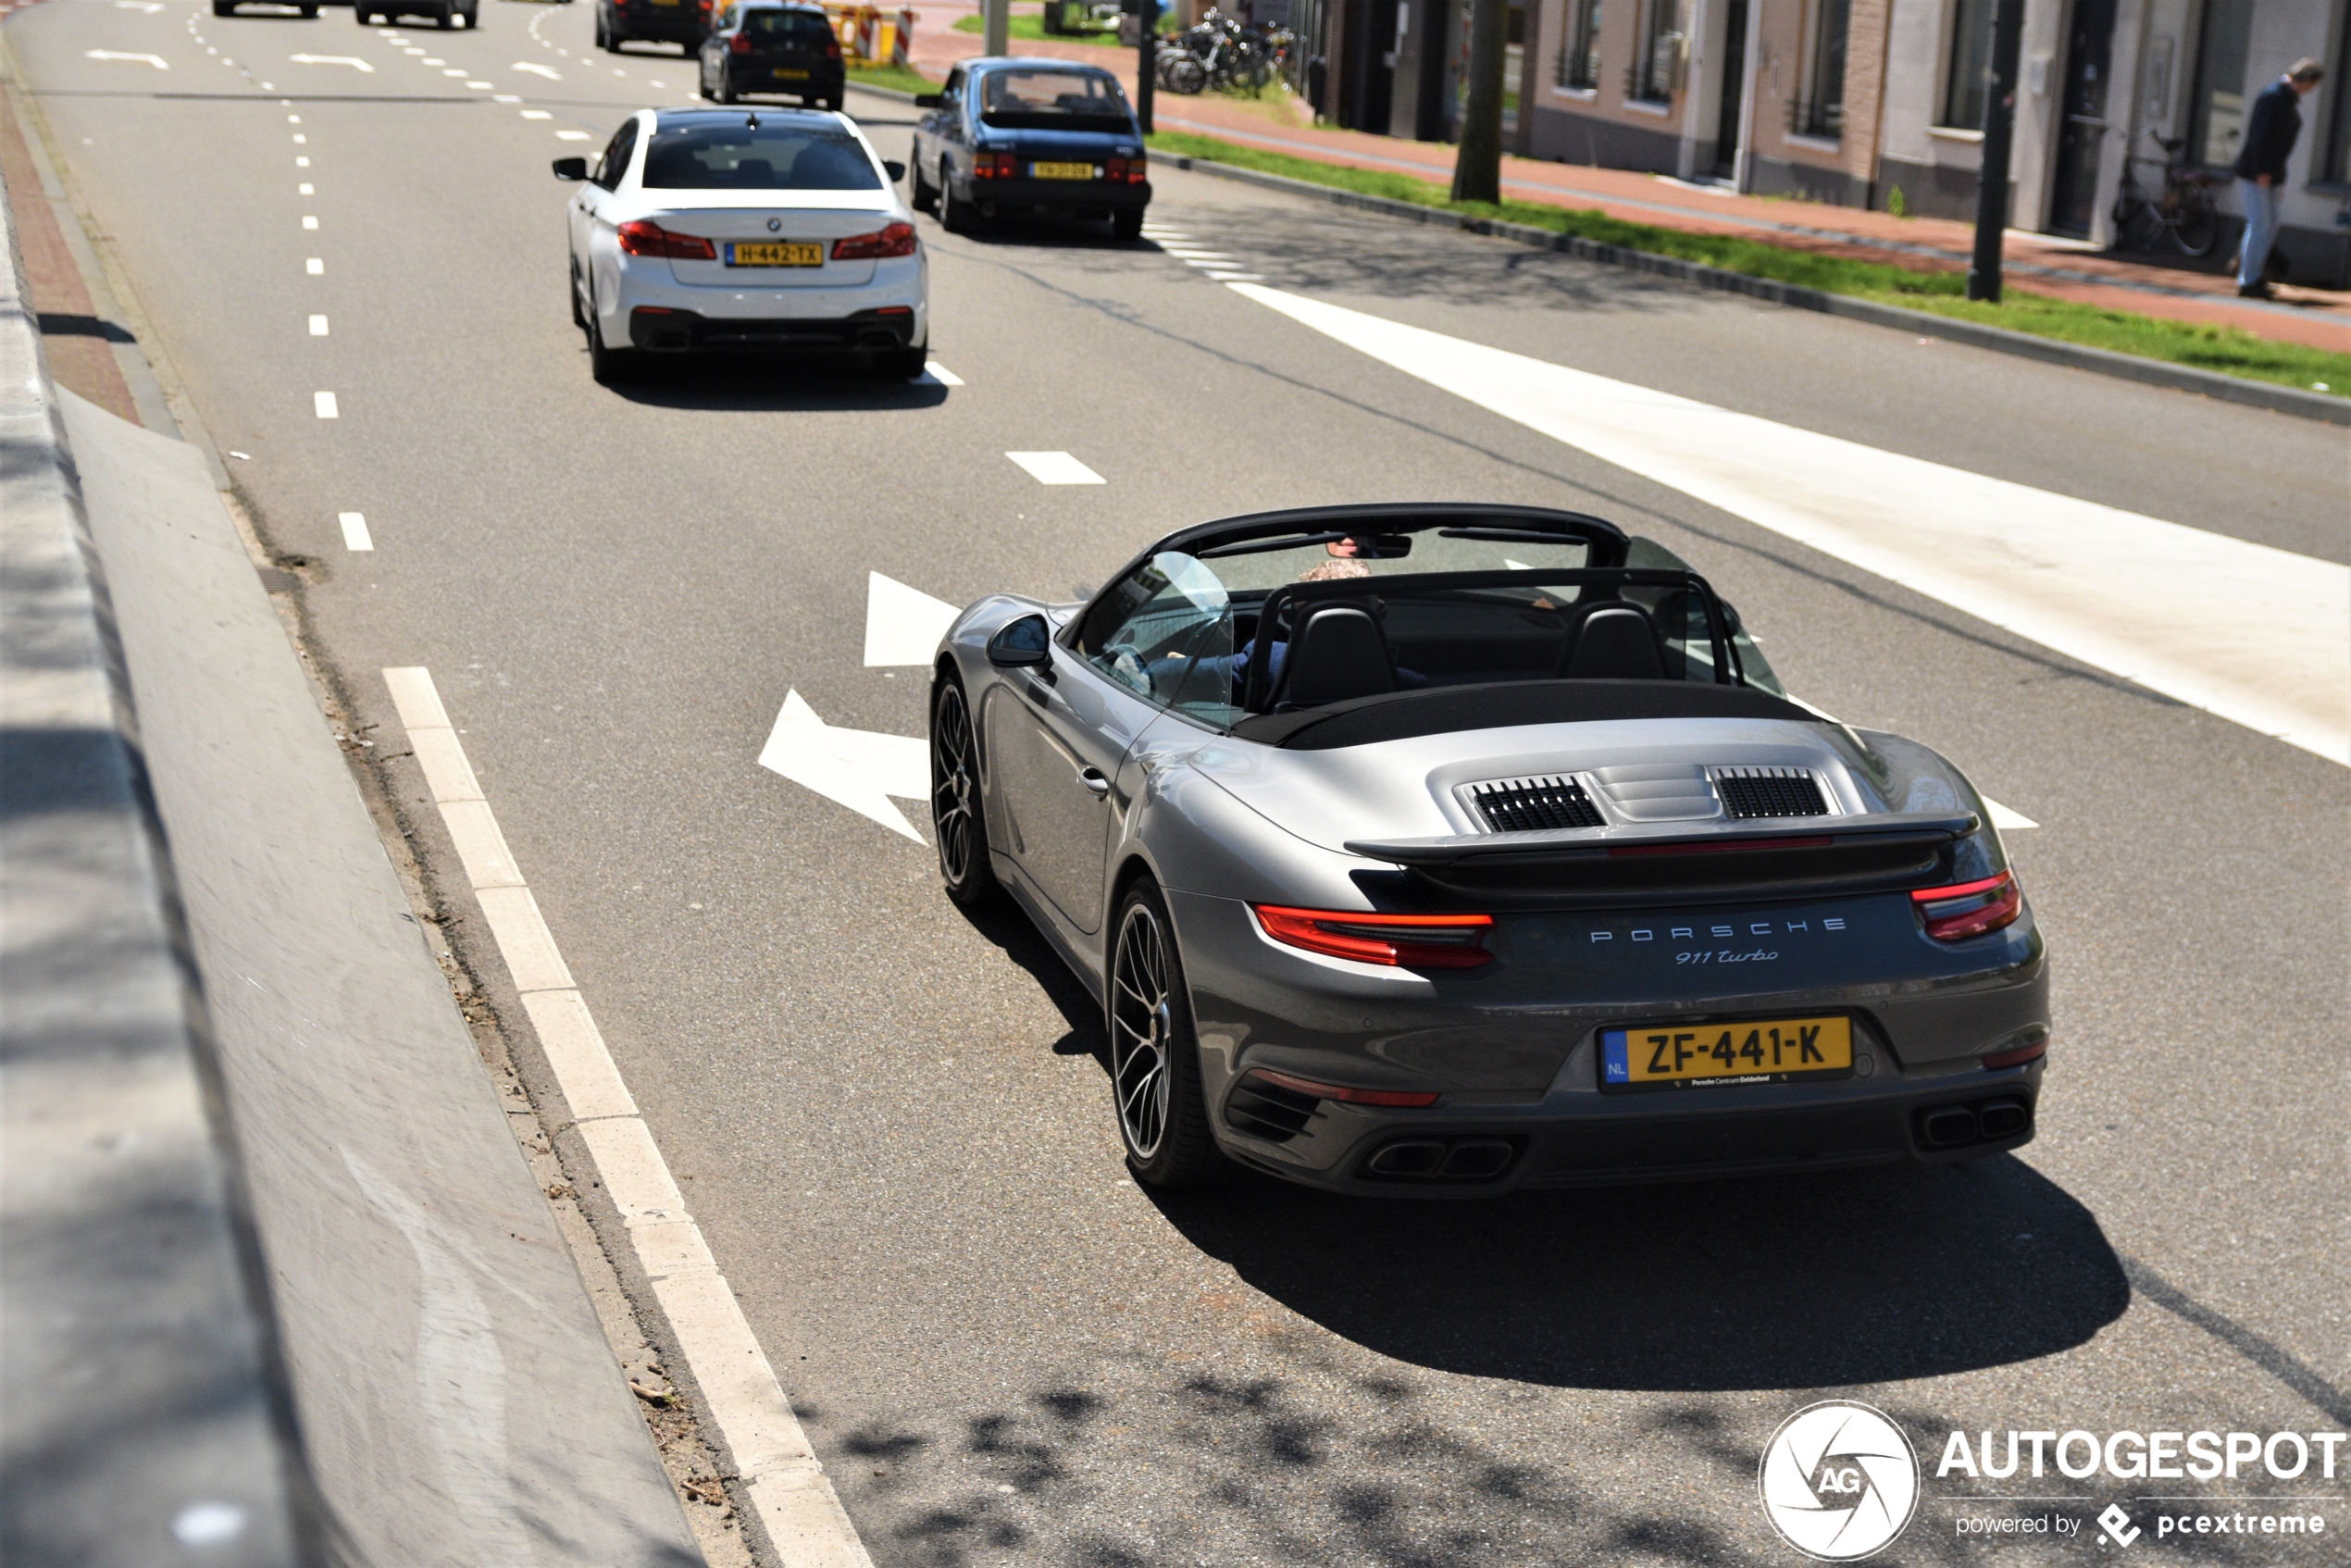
(1154, 1074)
(958, 814)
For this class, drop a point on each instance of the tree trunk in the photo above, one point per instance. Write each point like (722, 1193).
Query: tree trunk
(1477, 167)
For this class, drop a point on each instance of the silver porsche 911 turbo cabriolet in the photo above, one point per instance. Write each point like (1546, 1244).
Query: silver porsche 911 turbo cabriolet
(1453, 848)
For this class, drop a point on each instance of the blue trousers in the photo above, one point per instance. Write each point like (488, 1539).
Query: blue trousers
(2260, 229)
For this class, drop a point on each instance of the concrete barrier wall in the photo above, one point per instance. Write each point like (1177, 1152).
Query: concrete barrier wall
(455, 1399)
(144, 1416)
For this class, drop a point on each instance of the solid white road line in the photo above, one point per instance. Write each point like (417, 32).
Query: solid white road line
(314, 267)
(780, 1471)
(317, 326)
(355, 531)
(324, 402)
(942, 375)
(858, 768)
(2258, 636)
(1055, 467)
(903, 625)
(1235, 276)
(154, 60)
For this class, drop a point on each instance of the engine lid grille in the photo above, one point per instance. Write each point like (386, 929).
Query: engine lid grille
(1528, 805)
(1748, 793)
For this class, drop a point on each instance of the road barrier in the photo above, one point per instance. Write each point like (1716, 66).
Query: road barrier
(146, 1402)
(870, 34)
(280, 1285)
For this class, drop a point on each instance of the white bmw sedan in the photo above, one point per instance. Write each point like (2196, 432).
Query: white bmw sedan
(717, 231)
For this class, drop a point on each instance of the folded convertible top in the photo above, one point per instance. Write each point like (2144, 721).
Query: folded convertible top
(1446, 710)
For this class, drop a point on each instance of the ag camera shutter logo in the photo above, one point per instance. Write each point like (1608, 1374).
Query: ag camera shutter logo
(1839, 1481)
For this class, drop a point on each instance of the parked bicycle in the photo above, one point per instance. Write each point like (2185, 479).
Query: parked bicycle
(1218, 52)
(2182, 211)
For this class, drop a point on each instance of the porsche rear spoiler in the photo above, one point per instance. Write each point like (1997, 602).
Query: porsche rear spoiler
(1672, 863)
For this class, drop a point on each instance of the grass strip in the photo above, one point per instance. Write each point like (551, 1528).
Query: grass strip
(2229, 350)
(895, 76)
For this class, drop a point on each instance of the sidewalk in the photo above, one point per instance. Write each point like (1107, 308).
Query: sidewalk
(2043, 264)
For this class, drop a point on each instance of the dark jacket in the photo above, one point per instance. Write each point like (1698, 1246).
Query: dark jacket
(2269, 134)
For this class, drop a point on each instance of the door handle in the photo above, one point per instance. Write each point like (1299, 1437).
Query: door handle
(1096, 784)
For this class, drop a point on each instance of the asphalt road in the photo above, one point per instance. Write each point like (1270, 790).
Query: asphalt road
(893, 1118)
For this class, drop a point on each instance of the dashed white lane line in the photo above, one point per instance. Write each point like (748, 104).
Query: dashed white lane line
(324, 405)
(505, 98)
(1055, 467)
(573, 136)
(536, 114)
(317, 326)
(942, 375)
(314, 267)
(2258, 636)
(306, 189)
(1235, 278)
(302, 163)
(477, 86)
(300, 139)
(355, 531)
(786, 1483)
(308, 221)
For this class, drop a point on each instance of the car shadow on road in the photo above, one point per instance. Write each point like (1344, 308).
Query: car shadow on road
(1002, 922)
(1782, 1282)
(759, 383)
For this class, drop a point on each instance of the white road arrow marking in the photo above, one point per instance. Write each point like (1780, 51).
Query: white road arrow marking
(352, 60)
(550, 73)
(903, 625)
(857, 769)
(1055, 467)
(154, 60)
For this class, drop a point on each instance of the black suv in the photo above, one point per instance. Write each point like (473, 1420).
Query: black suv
(773, 46)
(683, 22)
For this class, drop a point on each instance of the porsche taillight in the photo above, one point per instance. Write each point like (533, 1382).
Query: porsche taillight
(896, 239)
(644, 237)
(1399, 942)
(1969, 909)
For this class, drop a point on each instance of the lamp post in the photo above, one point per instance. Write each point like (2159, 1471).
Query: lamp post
(2000, 126)
(1145, 60)
(998, 23)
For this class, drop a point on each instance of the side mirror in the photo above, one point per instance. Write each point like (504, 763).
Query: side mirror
(930, 100)
(1026, 641)
(571, 169)
(896, 170)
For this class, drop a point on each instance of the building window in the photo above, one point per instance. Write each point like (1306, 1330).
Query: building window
(1660, 52)
(1970, 65)
(1821, 112)
(2218, 128)
(1580, 47)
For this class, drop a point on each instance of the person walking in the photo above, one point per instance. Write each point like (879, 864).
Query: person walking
(2270, 135)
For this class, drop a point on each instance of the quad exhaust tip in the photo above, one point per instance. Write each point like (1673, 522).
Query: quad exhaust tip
(1984, 1121)
(1441, 1159)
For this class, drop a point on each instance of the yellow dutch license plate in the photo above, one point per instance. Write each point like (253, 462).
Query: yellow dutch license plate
(1765, 1051)
(780, 253)
(1062, 171)
(790, 73)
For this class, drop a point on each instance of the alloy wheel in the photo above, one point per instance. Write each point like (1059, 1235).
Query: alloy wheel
(954, 787)
(1142, 1027)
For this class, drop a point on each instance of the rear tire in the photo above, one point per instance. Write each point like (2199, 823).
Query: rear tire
(310, 13)
(1156, 1087)
(1127, 224)
(900, 364)
(835, 102)
(958, 814)
(447, 20)
(579, 317)
(610, 367)
(224, 7)
(956, 214)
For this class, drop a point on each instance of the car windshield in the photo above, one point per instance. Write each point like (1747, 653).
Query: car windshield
(744, 156)
(1053, 100)
(772, 26)
(1181, 629)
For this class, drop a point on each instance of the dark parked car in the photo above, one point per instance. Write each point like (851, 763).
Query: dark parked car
(1030, 135)
(772, 46)
(683, 22)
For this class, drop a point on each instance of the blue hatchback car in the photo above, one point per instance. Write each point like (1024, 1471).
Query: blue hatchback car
(1030, 135)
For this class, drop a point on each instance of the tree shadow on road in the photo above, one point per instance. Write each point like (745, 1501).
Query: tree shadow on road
(1796, 1281)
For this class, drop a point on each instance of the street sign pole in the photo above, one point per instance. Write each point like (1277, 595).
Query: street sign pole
(2000, 126)
(1145, 60)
